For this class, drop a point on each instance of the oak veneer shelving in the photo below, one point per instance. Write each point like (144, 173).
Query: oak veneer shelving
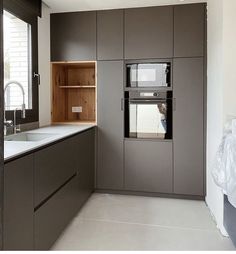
(73, 85)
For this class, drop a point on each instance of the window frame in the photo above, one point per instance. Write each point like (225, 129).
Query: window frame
(19, 10)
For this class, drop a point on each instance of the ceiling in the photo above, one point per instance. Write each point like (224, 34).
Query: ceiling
(85, 5)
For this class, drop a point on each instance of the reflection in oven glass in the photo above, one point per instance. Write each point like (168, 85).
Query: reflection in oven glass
(148, 120)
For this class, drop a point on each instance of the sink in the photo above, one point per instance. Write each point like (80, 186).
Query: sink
(29, 137)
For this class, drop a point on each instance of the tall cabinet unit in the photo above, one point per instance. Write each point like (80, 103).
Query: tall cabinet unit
(188, 126)
(114, 38)
(188, 89)
(110, 125)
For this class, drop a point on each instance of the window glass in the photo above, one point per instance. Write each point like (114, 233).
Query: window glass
(17, 61)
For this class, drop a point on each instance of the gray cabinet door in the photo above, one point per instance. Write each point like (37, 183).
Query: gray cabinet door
(110, 125)
(148, 166)
(54, 216)
(110, 27)
(73, 36)
(53, 166)
(18, 205)
(189, 30)
(149, 32)
(86, 164)
(188, 126)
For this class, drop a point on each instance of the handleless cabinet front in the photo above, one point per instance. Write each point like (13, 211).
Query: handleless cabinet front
(85, 143)
(188, 126)
(110, 27)
(55, 214)
(18, 213)
(148, 166)
(73, 36)
(149, 32)
(110, 125)
(53, 167)
(189, 30)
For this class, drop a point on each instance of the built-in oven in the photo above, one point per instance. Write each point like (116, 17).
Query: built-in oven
(148, 75)
(148, 115)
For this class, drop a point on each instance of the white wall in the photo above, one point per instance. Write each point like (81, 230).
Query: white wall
(221, 89)
(44, 67)
(229, 42)
(214, 197)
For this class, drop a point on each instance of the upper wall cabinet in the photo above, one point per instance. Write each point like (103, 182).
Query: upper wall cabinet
(73, 36)
(110, 27)
(189, 30)
(149, 33)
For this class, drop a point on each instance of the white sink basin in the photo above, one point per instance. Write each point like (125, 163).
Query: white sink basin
(29, 137)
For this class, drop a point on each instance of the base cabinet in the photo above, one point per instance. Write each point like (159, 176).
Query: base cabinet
(18, 205)
(52, 217)
(148, 166)
(53, 166)
(31, 223)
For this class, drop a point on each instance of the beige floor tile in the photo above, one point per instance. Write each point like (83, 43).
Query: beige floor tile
(149, 210)
(104, 235)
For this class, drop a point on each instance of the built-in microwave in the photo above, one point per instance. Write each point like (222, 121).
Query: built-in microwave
(145, 75)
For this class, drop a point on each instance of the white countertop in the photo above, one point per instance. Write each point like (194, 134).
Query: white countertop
(15, 148)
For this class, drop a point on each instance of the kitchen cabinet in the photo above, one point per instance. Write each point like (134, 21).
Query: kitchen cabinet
(110, 125)
(86, 164)
(189, 30)
(148, 166)
(110, 27)
(188, 126)
(54, 216)
(73, 36)
(50, 173)
(57, 211)
(149, 32)
(18, 213)
(43, 191)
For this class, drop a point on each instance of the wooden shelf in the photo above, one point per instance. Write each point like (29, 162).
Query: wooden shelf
(76, 87)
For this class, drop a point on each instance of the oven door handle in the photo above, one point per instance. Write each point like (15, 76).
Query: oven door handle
(146, 100)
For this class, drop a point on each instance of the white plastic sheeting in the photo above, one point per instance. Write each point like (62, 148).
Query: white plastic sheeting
(224, 166)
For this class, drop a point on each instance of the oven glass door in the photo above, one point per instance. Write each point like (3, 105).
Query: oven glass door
(148, 75)
(150, 119)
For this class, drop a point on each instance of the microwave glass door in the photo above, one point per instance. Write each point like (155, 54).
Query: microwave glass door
(148, 75)
(148, 119)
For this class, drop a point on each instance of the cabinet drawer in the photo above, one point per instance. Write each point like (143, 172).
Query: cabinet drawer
(53, 167)
(53, 216)
(18, 204)
(148, 166)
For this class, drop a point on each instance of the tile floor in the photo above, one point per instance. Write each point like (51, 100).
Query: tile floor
(117, 222)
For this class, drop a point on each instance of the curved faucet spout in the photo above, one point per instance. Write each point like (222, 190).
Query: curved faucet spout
(13, 82)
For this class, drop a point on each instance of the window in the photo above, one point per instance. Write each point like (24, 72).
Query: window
(17, 63)
(20, 32)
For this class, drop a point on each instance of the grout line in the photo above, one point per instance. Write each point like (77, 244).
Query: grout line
(145, 224)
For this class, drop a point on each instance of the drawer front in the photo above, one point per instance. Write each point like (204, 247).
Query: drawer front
(54, 216)
(148, 166)
(18, 204)
(53, 167)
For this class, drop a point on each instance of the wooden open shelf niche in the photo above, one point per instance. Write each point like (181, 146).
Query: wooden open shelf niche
(74, 85)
